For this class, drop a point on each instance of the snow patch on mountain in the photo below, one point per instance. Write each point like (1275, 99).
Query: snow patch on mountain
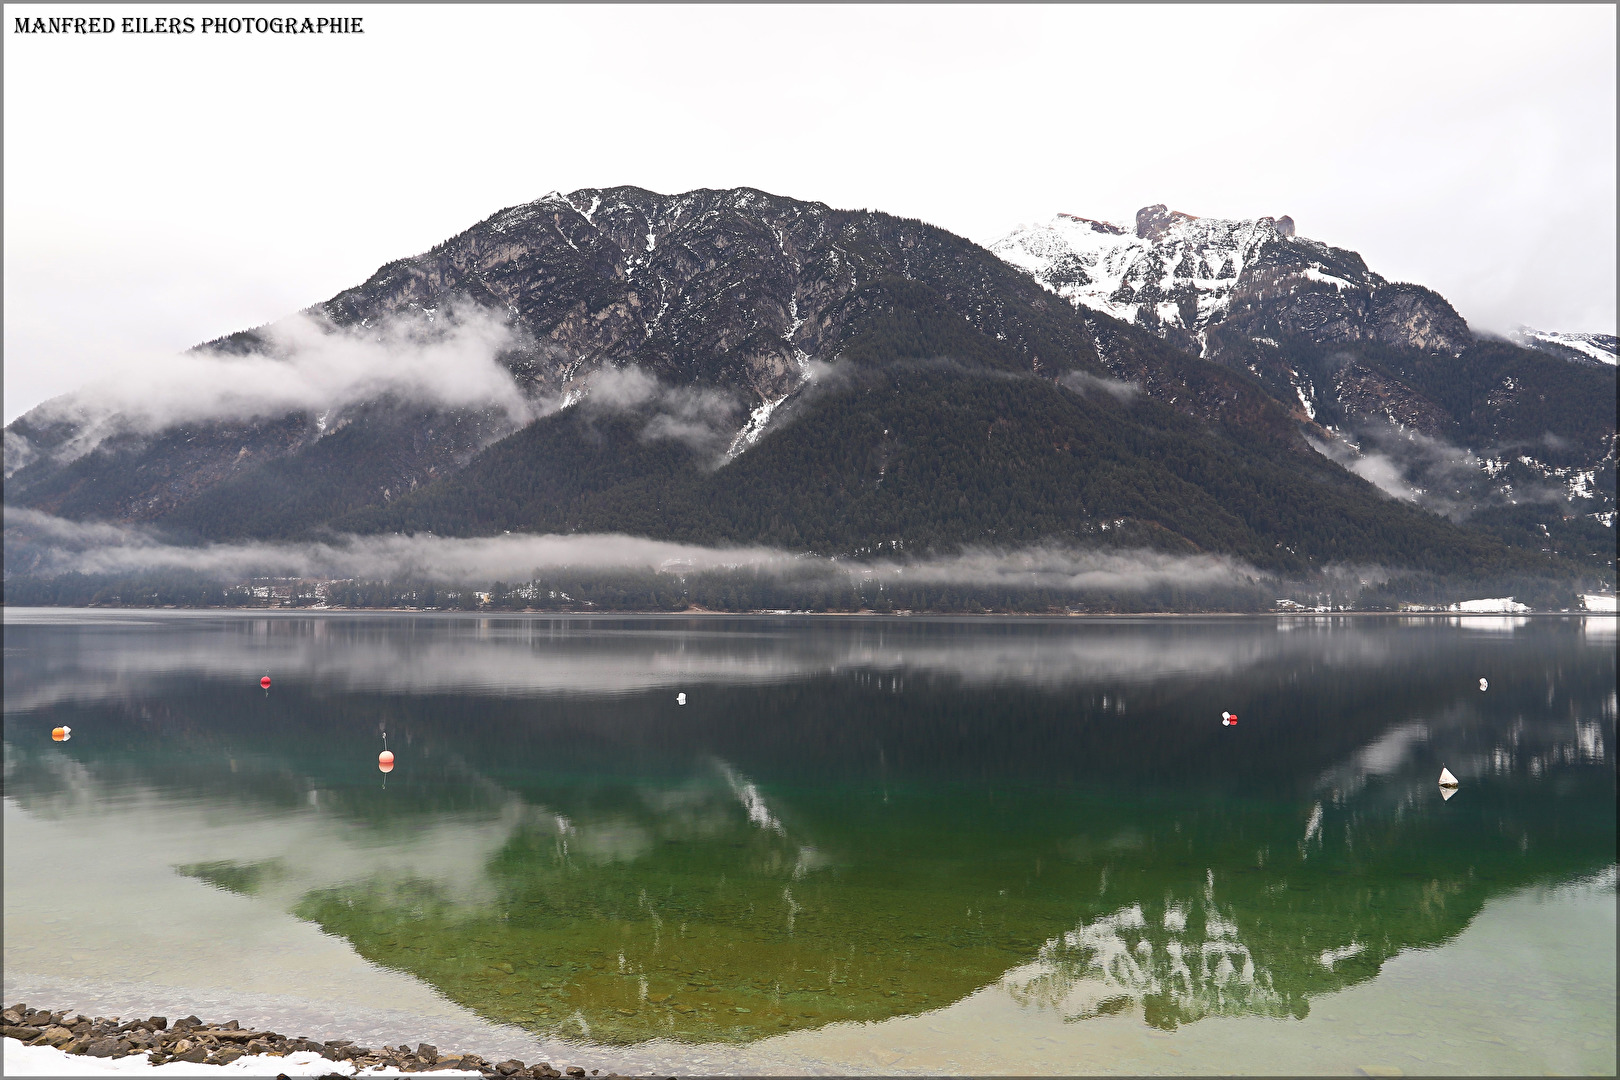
(1600, 347)
(750, 432)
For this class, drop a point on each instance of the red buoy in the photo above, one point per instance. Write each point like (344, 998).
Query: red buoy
(386, 758)
(265, 682)
(385, 766)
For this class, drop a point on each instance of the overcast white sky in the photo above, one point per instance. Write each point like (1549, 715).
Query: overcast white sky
(160, 191)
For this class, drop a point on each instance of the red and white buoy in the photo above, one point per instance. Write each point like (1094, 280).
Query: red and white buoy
(1228, 719)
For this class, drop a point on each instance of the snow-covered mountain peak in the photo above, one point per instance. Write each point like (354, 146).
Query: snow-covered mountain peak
(1170, 269)
(1215, 286)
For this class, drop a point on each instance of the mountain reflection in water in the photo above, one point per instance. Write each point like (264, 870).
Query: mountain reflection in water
(848, 820)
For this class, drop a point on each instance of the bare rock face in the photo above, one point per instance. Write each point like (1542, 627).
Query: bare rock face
(1098, 226)
(1415, 317)
(1366, 394)
(1153, 222)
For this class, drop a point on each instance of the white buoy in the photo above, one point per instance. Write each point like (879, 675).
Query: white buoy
(1446, 793)
(1446, 779)
(680, 699)
(1484, 684)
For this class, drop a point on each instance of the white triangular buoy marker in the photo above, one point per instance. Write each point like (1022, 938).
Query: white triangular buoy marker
(680, 699)
(1446, 793)
(1446, 779)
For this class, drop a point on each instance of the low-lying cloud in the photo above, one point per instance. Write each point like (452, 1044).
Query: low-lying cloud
(1048, 567)
(446, 357)
(1429, 472)
(97, 548)
(703, 418)
(55, 545)
(1377, 469)
(18, 452)
(1082, 382)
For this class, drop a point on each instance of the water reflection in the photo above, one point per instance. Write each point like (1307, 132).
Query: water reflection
(1128, 956)
(848, 820)
(623, 656)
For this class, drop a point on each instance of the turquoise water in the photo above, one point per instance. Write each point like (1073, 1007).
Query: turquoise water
(996, 845)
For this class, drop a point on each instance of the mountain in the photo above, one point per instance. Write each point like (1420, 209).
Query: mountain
(1209, 285)
(730, 297)
(1579, 348)
(743, 367)
(1388, 376)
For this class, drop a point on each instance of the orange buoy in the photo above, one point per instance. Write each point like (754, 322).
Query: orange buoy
(61, 734)
(265, 682)
(386, 758)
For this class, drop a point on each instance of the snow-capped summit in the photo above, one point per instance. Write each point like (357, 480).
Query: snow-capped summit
(1582, 348)
(1171, 270)
(1187, 277)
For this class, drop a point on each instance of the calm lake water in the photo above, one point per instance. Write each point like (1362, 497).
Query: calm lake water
(860, 845)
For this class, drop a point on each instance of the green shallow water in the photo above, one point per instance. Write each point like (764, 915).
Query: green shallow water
(849, 821)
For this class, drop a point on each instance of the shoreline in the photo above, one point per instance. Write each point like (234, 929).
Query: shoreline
(196, 1042)
(771, 613)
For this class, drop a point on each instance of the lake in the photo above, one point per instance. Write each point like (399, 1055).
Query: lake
(861, 844)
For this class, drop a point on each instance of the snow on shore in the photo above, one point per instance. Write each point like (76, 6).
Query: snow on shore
(18, 1059)
(1500, 606)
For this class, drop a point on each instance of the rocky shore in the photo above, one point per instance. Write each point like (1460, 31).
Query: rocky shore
(193, 1040)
